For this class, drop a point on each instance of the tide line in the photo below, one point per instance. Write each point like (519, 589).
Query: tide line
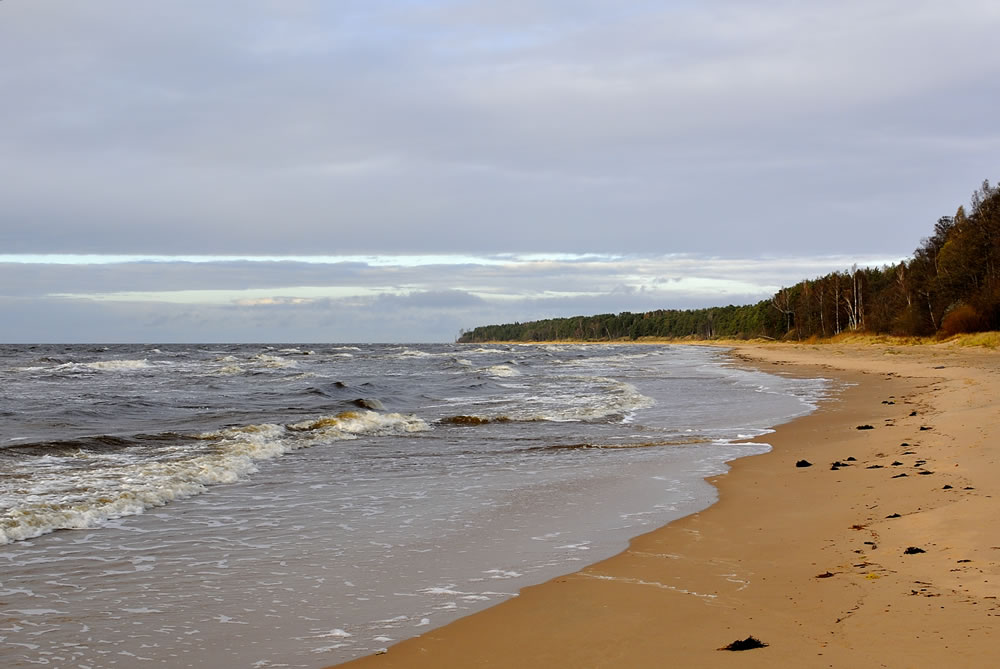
(655, 584)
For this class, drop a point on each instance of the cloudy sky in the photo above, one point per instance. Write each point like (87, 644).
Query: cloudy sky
(374, 170)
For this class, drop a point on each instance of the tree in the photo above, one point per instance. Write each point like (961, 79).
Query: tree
(782, 301)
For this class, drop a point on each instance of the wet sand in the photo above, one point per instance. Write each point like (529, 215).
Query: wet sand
(889, 559)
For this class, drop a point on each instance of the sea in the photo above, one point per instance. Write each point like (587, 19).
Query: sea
(302, 505)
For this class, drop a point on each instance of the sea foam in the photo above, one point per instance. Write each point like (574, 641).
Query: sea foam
(117, 485)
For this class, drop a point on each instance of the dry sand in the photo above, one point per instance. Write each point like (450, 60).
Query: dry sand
(811, 560)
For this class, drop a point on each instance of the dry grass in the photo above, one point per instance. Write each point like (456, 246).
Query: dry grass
(863, 339)
(990, 340)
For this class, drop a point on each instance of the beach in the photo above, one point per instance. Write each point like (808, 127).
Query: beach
(881, 553)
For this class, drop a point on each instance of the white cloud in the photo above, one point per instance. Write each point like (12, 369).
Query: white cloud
(386, 298)
(248, 297)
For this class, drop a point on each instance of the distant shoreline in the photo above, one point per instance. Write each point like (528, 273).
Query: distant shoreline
(989, 340)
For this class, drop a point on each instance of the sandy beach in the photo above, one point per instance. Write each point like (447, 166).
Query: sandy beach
(888, 559)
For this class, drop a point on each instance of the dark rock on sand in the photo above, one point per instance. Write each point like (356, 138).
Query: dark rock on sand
(745, 644)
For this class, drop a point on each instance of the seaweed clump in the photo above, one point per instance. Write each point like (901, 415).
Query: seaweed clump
(745, 644)
(465, 420)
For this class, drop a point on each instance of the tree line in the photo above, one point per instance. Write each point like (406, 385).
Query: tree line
(950, 285)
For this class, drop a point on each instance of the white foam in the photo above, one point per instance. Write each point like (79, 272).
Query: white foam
(273, 361)
(397, 619)
(228, 620)
(574, 399)
(502, 573)
(117, 487)
(351, 424)
(503, 371)
(118, 365)
(441, 591)
(412, 353)
(104, 366)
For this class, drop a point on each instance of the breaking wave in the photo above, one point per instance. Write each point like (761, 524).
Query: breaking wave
(76, 488)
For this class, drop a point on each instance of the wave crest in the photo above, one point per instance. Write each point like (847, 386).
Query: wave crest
(105, 486)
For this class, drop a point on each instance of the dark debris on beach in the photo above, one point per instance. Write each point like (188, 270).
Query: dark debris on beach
(745, 644)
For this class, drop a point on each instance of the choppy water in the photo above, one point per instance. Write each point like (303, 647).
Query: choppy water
(296, 506)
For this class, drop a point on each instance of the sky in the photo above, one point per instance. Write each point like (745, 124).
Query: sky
(374, 170)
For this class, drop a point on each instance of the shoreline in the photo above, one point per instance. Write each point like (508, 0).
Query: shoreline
(803, 558)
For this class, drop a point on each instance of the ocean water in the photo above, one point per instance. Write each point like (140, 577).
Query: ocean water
(298, 506)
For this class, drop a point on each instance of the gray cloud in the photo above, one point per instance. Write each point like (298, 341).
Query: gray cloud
(720, 127)
(38, 280)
